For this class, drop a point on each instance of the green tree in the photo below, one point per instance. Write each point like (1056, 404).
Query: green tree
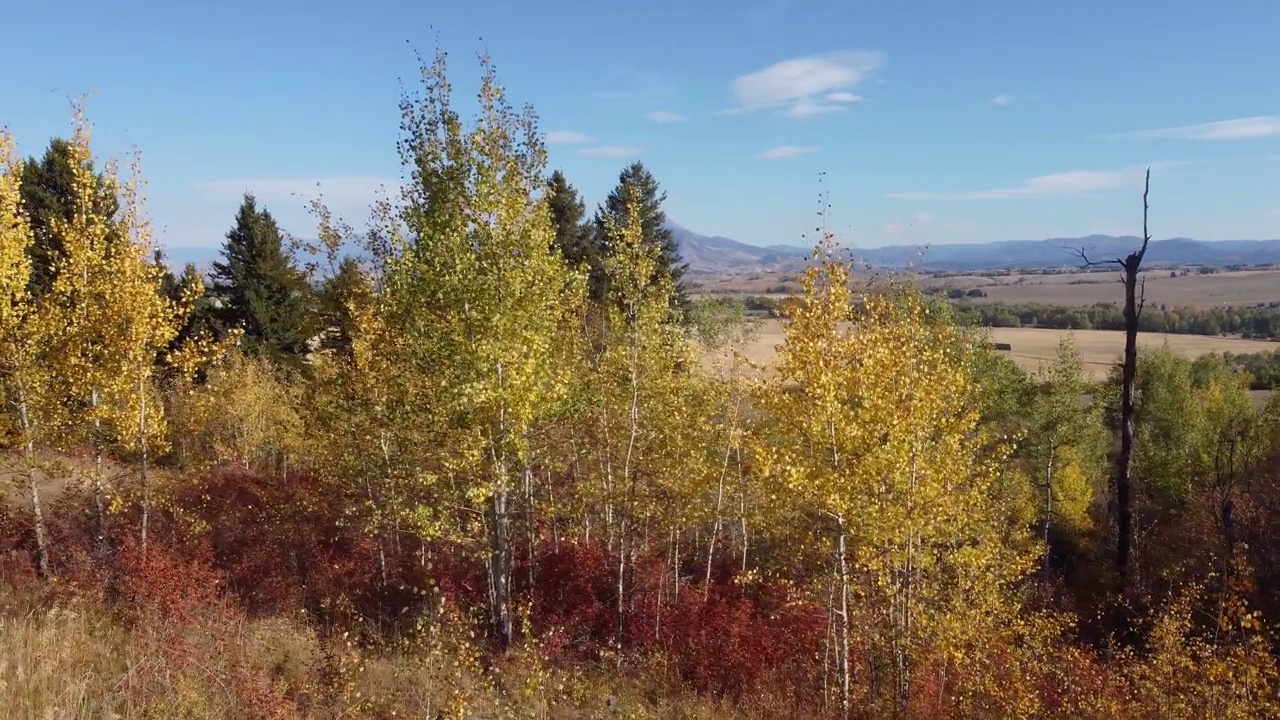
(48, 193)
(638, 189)
(259, 287)
(333, 298)
(574, 238)
(1065, 445)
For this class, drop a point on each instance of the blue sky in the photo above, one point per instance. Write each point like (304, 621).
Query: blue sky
(933, 121)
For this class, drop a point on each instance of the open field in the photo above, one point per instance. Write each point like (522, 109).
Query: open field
(1241, 288)
(1100, 349)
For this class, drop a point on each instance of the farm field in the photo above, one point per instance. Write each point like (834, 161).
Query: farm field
(1242, 288)
(1031, 346)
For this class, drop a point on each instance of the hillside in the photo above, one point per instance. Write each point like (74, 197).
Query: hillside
(720, 254)
(714, 254)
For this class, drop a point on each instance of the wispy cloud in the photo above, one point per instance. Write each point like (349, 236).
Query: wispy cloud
(567, 137)
(844, 97)
(786, 151)
(807, 86)
(660, 116)
(1000, 100)
(611, 151)
(636, 85)
(1059, 184)
(1239, 129)
(341, 191)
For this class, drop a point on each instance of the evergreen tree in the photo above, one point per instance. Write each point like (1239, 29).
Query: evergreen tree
(202, 321)
(637, 187)
(574, 238)
(47, 194)
(347, 283)
(259, 288)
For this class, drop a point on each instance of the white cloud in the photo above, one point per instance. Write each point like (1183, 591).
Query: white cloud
(567, 137)
(844, 97)
(1000, 100)
(337, 191)
(785, 151)
(1059, 184)
(1239, 129)
(660, 116)
(611, 151)
(806, 86)
(806, 109)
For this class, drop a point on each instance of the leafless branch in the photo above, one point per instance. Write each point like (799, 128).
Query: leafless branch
(1084, 257)
(1146, 236)
(1142, 298)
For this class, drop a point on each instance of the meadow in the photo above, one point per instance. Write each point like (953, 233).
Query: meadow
(1241, 288)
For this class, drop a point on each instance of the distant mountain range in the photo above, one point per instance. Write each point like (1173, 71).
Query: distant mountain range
(708, 254)
(719, 254)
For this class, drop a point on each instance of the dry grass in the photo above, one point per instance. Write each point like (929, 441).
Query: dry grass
(78, 662)
(1244, 288)
(1032, 346)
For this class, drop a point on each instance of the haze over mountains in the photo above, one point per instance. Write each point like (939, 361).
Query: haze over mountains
(719, 254)
(707, 254)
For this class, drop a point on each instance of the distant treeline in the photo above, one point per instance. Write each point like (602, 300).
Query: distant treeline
(1263, 368)
(1252, 322)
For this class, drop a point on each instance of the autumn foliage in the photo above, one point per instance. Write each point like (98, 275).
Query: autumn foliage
(486, 491)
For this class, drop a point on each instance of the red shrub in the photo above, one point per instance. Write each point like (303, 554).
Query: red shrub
(727, 639)
(178, 584)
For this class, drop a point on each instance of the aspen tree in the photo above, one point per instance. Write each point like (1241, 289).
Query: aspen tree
(28, 333)
(877, 436)
(473, 301)
(1065, 443)
(121, 323)
(643, 410)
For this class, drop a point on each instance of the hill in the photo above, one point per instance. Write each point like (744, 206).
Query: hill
(714, 254)
(719, 254)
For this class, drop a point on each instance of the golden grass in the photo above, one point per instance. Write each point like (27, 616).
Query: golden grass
(1100, 349)
(1242, 288)
(78, 662)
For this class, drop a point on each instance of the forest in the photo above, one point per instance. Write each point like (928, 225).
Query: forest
(487, 458)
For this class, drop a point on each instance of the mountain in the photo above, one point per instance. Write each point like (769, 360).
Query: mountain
(713, 254)
(718, 254)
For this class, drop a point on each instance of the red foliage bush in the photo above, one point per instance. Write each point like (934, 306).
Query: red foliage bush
(177, 583)
(724, 639)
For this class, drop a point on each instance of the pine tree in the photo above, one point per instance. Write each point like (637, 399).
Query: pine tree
(260, 289)
(48, 193)
(574, 238)
(637, 187)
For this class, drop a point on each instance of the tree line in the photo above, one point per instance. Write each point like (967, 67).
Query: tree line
(1261, 322)
(520, 415)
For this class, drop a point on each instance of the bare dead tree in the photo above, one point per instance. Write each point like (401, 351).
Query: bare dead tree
(1134, 300)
